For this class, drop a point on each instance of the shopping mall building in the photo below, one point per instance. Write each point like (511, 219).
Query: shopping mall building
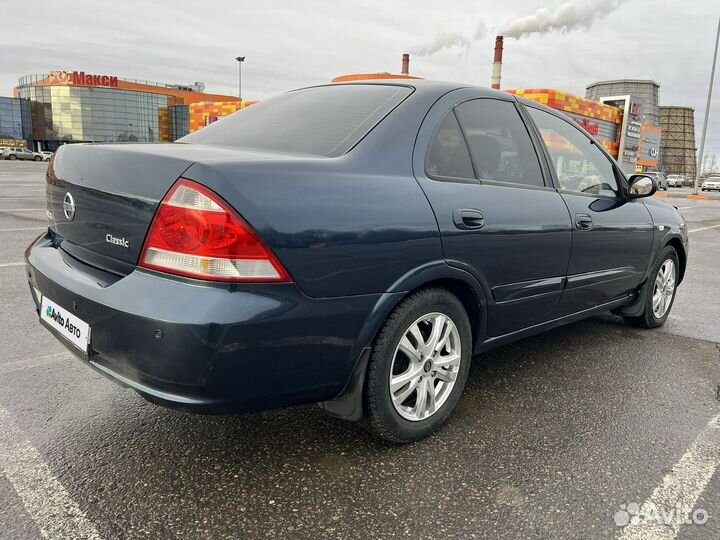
(70, 106)
(60, 107)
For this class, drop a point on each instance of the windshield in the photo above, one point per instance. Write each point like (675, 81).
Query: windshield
(322, 121)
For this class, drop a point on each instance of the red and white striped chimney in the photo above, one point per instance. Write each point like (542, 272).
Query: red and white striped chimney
(405, 70)
(497, 63)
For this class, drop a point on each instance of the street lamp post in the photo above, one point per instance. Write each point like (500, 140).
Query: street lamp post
(707, 111)
(240, 60)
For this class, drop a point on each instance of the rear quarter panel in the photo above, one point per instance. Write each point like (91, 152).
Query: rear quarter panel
(338, 232)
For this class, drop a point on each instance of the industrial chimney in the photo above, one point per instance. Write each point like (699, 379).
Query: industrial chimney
(405, 70)
(497, 63)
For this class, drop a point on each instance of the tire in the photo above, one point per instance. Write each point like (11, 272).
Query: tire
(12, 156)
(406, 421)
(650, 317)
(37, 158)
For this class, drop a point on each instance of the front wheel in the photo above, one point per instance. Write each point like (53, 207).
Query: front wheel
(660, 291)
(37, 158)
(418, 367)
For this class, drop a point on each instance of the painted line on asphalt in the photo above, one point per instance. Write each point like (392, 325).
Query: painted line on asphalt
(8, 265)
(704, 228)
(45, 499)
(680, 488)
(24, 229)
(22, 209)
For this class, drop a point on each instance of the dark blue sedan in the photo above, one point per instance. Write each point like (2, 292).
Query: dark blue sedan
(352, 245)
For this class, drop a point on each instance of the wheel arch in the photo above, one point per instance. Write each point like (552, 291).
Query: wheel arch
(677, 245)
(459, 282)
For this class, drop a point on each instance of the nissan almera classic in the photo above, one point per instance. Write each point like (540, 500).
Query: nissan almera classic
(349, 245)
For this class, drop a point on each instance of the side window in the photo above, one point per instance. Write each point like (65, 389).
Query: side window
(499, 142)
(448, 155)
(580, 165)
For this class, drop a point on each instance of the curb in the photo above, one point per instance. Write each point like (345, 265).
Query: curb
(683, 196)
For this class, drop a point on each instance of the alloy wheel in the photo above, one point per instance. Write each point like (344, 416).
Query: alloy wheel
(425, 366)
(664, 288)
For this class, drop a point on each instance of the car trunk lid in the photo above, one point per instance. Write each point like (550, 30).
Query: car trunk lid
(101, 199)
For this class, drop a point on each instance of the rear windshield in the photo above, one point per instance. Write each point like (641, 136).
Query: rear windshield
(322, 121)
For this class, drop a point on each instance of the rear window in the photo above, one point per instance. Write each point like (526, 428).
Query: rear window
(323, 121)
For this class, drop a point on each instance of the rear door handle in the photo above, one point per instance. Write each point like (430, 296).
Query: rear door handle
(468, 218)
(583, 222)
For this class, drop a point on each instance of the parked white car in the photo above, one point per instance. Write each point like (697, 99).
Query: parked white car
(675, 180)
(21, 153)
(711, 183)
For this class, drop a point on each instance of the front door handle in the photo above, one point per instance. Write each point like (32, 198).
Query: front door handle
(583, 222)
(468, 218)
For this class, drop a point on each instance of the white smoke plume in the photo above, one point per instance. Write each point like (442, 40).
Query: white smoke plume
(573, 15)
(480, 30)
(443, 40)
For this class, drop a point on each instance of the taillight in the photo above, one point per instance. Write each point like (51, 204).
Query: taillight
(196, 234)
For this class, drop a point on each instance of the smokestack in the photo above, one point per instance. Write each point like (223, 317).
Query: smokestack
(405, 70)
(497, 63)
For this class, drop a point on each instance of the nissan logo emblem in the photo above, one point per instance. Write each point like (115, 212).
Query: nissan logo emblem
(69, 206)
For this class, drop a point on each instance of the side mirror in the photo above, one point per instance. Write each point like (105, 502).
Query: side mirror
(641, 186)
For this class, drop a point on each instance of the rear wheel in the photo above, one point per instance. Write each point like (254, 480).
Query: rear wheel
(12, 156)
(418, 367)
(660, 293)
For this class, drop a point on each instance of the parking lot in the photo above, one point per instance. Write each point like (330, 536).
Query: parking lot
(557, 436)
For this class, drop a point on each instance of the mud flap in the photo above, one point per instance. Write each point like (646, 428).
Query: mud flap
(348, 405)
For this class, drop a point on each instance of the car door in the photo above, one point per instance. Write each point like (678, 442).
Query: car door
(498, 218)
(612, 235)
(27, 154)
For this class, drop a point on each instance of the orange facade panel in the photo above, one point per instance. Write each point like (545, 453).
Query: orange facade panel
(207, 112)
(164, 124)
(563, 101)
(371, 77)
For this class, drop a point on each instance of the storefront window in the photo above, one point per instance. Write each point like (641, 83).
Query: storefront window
(92, 114)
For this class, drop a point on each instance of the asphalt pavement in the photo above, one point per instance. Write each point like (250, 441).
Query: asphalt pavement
(569, 434)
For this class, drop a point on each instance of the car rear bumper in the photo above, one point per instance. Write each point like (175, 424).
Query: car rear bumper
(208, 347)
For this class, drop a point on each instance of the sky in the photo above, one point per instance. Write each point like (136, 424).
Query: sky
(289, 44)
